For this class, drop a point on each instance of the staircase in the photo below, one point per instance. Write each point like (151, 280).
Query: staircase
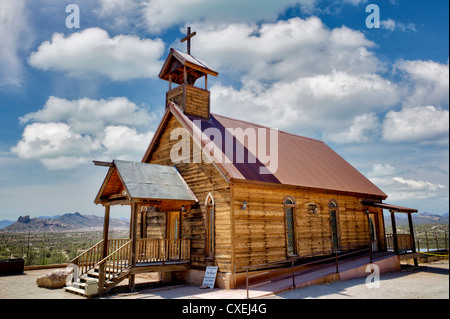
(95, 276)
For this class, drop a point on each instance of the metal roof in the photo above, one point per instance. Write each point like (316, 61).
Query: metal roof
(302, 161)
(390, 207)
(145, 182)
(175, 62)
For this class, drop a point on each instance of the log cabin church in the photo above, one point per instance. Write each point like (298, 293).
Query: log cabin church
(194, 204)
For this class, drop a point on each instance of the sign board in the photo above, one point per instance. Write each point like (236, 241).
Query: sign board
(210, 277)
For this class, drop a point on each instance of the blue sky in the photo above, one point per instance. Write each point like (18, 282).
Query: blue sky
(378, 96)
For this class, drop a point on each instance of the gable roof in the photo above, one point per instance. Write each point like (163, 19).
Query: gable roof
(130, 181)
(302, 161)
(175, 62)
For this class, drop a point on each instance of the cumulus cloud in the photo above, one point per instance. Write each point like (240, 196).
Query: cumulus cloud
(393, 25)
(298, 75)
(93, 52)
(68, 133)
(285, 50)
(421, 123)
(159, 15)
(363, 129)
(324, 102)
(89, 115)
(14, 36)
(427, 82)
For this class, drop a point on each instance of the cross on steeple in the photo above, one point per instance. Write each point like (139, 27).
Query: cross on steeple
(188, 38)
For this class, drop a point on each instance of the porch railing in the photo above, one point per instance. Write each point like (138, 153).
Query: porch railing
(404, 242)
(162, 250)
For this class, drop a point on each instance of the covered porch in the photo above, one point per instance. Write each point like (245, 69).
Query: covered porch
(147, 189)
(400, 244)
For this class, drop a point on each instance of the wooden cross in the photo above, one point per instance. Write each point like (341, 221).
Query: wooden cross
(188, 38)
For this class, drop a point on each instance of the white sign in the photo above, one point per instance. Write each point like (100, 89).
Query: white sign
(210, 277)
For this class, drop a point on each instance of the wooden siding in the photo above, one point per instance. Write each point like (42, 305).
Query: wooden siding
(260, 233)
(191, 100)
(202, 178)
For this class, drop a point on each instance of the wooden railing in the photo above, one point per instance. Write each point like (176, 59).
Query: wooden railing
(88, 259)
(404, 242)
(118, 255)
(161, 250)
(116, 262)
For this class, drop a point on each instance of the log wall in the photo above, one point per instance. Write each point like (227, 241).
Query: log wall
(192, 100)
(202, 178)
(260, 231)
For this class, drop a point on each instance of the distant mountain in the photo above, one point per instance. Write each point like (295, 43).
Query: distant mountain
(418, 219)
(66, 222)
(5, 223)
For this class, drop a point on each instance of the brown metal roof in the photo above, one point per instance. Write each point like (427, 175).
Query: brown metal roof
(302, 161)
(390, 207)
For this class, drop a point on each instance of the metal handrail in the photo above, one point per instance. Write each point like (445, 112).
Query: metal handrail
(292, 259)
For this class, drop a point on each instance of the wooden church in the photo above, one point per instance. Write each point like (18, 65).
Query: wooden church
(212, 206)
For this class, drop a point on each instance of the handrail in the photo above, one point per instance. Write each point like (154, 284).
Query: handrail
(75, 260)
(292, 259)
(86, 260)
(118, 260)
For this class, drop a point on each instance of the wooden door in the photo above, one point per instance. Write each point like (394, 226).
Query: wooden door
(373, 230)
(334, 224)
(173, 225)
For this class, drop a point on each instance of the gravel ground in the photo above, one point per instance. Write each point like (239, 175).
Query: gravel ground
(429, 281)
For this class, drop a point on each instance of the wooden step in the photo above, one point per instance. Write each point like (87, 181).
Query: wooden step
(75, 290)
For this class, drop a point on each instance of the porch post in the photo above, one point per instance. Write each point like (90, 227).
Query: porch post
(394, 232)
(101, 278)
(411, 231)
(106, 231)
(134, 207)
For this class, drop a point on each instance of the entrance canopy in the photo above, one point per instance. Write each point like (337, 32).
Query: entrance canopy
(147, 184)
(390, 207)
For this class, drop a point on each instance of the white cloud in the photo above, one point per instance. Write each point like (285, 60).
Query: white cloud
(159, 15)
(363, 129)
(90, 116)
(65, 133)
(324, 103)
(53, 144)
(410, 190)
(393, 25)
(284, 50)
(427, 81)
(93, 52)
(14, 36)
(125, 141)
(421, 123)
(382, 170)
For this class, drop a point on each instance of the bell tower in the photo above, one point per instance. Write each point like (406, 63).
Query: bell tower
(183, 70)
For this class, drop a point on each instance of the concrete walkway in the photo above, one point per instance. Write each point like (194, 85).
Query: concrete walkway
(24, 286)
(352, 268)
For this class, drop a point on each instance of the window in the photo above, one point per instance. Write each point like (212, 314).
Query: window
(289, 209)
(334, 223)
(210, 233)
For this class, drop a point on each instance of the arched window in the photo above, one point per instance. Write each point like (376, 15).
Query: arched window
(334, 223)
(210, 232)
(289, 210)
